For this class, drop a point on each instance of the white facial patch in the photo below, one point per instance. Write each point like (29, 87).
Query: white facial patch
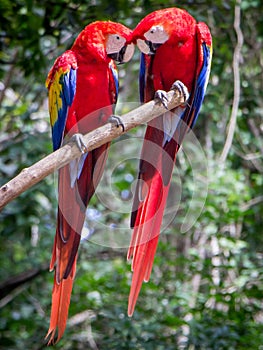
(157, 35)
(143, 47)
(114, 43)
(128, 53)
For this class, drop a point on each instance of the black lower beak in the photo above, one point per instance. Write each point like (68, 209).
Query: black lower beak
(152, 46)
(118, 56)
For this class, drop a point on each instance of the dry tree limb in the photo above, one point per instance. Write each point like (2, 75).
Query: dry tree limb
(38, 171)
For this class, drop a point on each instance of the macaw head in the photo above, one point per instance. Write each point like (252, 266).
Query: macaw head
(106, 40)
(172, 26)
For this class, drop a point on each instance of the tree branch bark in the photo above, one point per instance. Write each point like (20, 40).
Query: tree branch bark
(56, 160)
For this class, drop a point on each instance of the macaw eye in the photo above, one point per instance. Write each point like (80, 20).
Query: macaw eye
(114, 43)
(156, 35)
(117, 49)
(154, 38)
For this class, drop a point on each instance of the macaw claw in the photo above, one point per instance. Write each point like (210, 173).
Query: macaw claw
(161, 96)
(79, 141)
(178, 85)
(117, 121)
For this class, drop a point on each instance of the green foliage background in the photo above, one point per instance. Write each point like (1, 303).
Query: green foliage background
(206, 287)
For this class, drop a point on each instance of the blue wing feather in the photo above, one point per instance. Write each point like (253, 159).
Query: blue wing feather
(61, 95)
(201, 84)
(142, 77)
(61, 84)
(115, 79)
(69, 86)
(190, 115)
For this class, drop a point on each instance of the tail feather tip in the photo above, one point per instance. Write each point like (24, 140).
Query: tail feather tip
(53, 336)
(50, 337)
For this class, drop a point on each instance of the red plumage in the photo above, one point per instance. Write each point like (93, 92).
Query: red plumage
(175, 48)
(83, 90)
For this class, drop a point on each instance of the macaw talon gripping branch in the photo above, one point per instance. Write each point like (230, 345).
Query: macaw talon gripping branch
(161, 96)
(117, 121)
(79, 141)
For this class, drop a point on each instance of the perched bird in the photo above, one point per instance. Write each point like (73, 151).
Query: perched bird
(82, 91)
(176, 54)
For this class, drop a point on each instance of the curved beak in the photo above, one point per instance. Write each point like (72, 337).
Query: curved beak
(124, 55)
(152, 46)
(147, 47)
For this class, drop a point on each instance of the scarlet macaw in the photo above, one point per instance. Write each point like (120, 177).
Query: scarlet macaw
(176, 53)
(83, 88)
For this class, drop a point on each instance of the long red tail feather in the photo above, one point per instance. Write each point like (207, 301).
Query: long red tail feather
(145, 237)
(60, 305)
(73, 201)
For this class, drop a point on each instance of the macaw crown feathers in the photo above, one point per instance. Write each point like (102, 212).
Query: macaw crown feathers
(94, 36)
(175, 22)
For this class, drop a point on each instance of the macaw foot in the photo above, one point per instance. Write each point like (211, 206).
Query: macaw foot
(178, 85)
(79, 141)
(161, 96)
(117, 121)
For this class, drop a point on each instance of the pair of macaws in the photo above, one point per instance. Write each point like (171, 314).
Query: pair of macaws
(83, 89)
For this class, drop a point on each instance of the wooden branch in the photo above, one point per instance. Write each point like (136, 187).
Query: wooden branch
(38, 171)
